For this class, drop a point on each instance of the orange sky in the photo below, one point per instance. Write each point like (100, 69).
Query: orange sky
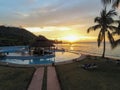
(71, 33)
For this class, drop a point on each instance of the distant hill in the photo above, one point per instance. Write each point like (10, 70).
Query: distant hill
(15, 36)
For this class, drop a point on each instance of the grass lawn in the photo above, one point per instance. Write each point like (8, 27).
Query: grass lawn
(105, 77)
(12, 78)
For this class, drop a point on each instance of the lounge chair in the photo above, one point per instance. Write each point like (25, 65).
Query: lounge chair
(89, 66)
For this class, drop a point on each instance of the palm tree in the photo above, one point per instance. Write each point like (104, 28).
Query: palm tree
(117, 32)
(114, 2)
(118, 27)
(104, 24)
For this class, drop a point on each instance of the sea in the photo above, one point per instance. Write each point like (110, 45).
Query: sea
(91, 48)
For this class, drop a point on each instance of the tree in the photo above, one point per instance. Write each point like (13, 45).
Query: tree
(118, 27)
(104, 23)
(115, 3)
(117, 32)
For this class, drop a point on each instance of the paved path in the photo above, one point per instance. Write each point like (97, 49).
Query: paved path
(36, 83)
(52, 80)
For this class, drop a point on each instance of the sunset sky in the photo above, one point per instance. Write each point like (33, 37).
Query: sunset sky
(55, 19)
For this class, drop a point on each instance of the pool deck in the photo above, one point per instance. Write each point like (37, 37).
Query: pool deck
(82, 56)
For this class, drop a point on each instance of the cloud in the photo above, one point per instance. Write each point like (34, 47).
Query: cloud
(20, 14)
(56, 13)
(47, 29)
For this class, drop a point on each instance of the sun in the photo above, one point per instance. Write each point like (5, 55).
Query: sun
(71, 38)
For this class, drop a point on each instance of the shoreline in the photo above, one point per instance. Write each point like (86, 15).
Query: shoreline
(99, 55)
(89, 49)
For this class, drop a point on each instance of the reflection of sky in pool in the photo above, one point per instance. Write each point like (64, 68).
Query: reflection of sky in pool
(59, 57)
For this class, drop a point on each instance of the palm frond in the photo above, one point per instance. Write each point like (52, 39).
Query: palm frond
(103, 13)
(97, 19)
(117, 32)
(116, 3)
(111, 40)
(100, 38)
(93, 28)
(112, 28)
(116, 21)
(111, 13)
(117, 42)
(109, 20)
(106, 1)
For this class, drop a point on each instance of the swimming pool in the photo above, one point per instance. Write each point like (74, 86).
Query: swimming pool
(24, 58)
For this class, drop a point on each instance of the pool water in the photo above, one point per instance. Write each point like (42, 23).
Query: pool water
(24, 58)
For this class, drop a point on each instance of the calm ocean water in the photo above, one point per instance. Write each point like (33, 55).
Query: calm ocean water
(92, 48)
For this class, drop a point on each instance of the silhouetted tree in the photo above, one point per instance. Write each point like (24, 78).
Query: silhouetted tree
(115, 3)
(104, 24)
(117, 32)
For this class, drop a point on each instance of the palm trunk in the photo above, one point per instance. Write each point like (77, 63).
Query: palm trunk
(104, 45)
